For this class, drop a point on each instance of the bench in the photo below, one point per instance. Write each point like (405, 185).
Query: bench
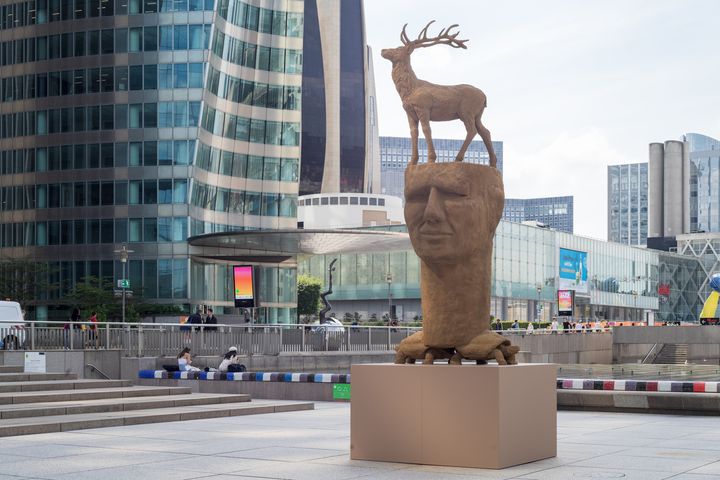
(266, 385)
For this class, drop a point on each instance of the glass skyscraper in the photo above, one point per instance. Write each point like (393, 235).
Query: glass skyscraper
(554, 212)
(628, 203)
(145, 122)
(395, 155)
(704, 189)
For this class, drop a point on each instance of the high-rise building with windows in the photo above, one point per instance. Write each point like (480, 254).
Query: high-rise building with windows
(340, 152)
(146, 122)
(395, 155)
(628, 203)
(550, 212)
(683, 188)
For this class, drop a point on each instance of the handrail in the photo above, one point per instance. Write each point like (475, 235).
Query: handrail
(201, 326)
(93, 367)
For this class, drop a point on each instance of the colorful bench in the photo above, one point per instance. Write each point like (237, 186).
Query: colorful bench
(637, 385)
(248, 376)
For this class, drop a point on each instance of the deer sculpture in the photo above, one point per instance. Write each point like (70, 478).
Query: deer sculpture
(424, 101)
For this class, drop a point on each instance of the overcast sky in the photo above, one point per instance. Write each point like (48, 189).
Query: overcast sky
(572, 86)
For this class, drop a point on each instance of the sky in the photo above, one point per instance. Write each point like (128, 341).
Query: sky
(572, 86)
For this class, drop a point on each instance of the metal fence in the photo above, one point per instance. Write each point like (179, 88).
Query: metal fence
(158, 339)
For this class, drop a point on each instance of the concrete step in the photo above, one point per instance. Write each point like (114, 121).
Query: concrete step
(89, 394)
(11, 368)
(29, 377)
(47, 385)
(61, 423)
(115, 405)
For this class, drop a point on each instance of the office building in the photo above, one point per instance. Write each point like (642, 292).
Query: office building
(340, 152)
(611, 281)
(144, 123)
(628, 203)
(395, 154)
(549, 212)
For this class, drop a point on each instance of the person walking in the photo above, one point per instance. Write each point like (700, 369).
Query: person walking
(195, 319)
(554, 325)
(530, 328)
(92, 335)
(211, 319)
(74, 322)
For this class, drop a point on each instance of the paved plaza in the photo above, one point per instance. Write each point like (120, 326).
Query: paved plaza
(315, 445)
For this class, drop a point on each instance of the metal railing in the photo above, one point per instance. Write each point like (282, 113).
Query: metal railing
(159, 339)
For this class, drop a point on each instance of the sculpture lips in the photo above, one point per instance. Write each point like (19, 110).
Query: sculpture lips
(430, 232)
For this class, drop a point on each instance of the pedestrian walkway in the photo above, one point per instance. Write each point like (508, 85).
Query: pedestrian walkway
(315, 445)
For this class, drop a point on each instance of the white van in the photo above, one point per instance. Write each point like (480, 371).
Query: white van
(12, 326)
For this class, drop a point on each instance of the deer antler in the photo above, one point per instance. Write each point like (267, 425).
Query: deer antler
(403, 36)
(445, 38)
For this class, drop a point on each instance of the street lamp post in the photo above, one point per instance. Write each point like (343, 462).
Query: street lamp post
(389, 279)
(124, 252)
(538, 289)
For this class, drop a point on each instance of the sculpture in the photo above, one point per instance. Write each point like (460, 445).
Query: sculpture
(327, 307)
(424, 101)
(451, 211)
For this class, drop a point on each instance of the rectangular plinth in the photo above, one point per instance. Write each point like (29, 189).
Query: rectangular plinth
(480, 416)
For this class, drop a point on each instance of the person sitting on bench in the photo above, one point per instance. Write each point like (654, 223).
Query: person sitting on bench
(185, 360)
(231, 362)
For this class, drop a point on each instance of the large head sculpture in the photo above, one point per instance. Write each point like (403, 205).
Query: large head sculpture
(451, 210)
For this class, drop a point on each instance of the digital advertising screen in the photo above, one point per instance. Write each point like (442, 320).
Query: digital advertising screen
(573, 270)
(244, 286)
(565, 302)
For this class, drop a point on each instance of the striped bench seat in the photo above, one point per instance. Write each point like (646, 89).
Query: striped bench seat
(248, 376)
(637, 385)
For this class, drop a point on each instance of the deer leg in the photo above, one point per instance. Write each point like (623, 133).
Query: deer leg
(425, 123)
(485, 134)
(413, 121)
(470, 127)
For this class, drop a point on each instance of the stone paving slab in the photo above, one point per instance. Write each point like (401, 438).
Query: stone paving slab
(25, 377)
(60, 423)
(89, 394)
(44, 385)
(24, 410)
(315, 445)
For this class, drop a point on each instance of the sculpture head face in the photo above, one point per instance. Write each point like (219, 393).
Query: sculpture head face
(450, 212)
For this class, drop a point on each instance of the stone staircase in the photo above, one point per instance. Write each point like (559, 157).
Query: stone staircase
(53, 402)
(673, 354)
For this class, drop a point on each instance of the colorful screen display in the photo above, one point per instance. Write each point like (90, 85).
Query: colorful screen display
(573, 270)
(565, 302)
(244, 286)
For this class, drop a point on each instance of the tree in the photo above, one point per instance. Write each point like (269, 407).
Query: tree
(93, 296)
(22, 280)
(308, 295)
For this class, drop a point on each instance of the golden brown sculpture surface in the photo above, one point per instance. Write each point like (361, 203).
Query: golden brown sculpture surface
(424, 101)
(451, 211)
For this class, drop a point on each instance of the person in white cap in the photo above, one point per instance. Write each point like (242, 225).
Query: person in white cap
(230, 358)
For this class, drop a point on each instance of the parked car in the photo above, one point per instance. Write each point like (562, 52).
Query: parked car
(12, 326)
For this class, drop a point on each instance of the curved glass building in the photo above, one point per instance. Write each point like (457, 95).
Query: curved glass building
(145, 122)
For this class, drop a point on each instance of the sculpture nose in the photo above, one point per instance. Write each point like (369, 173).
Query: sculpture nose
(434, 212)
